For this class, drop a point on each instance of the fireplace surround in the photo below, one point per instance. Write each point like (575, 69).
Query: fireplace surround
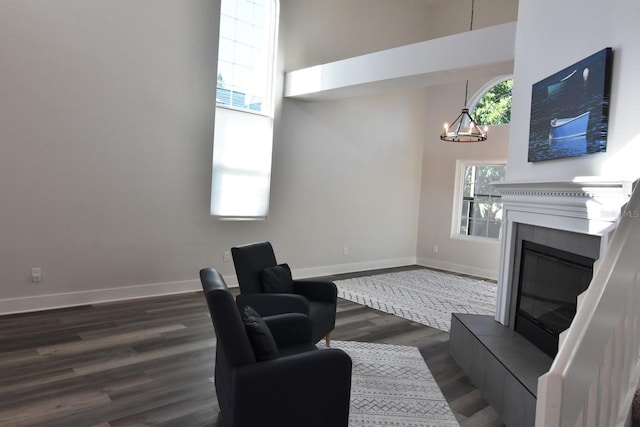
(575, 218)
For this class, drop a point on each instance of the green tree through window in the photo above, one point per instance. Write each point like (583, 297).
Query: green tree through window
(494, 108)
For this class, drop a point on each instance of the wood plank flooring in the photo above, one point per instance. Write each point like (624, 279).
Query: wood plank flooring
(150, 362)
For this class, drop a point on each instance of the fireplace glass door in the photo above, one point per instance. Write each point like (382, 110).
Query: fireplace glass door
(549, 285)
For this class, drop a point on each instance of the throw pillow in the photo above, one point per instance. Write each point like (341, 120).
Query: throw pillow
(264, 346)
(277, 279)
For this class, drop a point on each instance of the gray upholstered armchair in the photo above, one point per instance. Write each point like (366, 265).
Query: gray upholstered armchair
(268, 370)
(269, 289)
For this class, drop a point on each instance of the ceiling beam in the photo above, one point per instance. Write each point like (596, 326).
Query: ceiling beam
(488, 51)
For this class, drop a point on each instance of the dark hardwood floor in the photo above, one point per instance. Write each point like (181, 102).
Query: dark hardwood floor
(150, 362)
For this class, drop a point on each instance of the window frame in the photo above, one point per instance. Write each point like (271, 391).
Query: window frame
(271, 65)
(241, 184)
(458, 197)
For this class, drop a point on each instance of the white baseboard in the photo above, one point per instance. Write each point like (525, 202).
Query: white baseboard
(458, 268)
(73, 299)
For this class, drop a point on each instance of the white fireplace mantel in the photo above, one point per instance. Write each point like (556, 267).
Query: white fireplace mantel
(589, 205)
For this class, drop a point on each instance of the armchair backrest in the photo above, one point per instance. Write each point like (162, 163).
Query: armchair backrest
(230, 332)
(250, 260)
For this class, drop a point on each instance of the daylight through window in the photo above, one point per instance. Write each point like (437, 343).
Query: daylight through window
(243, 137)
(480, 203)
(245, 55)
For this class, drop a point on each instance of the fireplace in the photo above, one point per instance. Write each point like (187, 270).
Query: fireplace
(553, 234)
(549, 283)
(550, 268)
(576, 217)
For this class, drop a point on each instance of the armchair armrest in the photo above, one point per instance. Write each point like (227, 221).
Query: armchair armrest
(317, 386)
(290, 329)
(270, 304)
(316, 290)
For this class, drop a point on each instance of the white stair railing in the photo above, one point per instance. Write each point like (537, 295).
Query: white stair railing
(595, 374)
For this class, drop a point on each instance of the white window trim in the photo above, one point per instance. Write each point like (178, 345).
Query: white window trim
(457, 197)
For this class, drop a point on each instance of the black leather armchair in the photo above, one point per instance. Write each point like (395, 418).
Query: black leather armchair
(315, 298)
(303, 386)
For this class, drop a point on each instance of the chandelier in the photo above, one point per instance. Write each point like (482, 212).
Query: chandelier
(464, 128)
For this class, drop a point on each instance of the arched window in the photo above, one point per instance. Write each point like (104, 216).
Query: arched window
(493, 105)
(243, 138)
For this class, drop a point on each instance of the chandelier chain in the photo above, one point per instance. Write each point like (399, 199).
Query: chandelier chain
(459, 131)
(466, 89)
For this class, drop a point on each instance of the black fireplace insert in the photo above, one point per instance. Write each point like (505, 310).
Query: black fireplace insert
(550, 282)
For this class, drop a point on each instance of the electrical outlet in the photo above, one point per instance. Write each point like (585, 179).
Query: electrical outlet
(435, 249)
(226, 256)
(36, 275)
(345, 251)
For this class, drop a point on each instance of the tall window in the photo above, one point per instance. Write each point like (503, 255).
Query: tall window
(243, 137)
(494, 105)
(478, 203)
(245, 55)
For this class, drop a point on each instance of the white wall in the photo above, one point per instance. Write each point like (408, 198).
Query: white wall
(106, 123)
(454, 16)
(553, 35)
(316, 32)
(347, 173)
(439, 159)
(351, 33)
(106, 129)
(478, 257)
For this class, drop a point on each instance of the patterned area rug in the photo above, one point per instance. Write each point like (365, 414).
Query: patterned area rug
(424, 296)
(391, 386)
